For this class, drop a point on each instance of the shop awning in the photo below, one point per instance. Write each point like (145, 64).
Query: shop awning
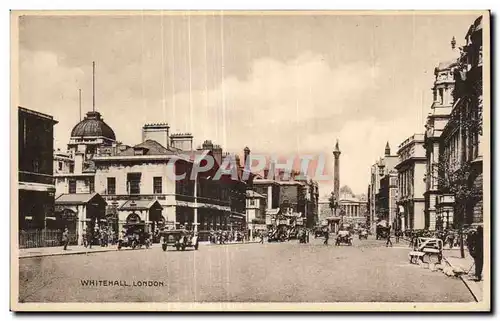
(139, 205)
(79, 199)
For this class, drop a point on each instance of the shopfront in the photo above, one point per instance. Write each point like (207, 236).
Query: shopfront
(78, 212)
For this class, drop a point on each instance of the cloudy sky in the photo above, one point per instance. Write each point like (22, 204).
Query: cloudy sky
(280, 84)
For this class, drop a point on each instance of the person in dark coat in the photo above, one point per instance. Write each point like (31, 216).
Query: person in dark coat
(65, 238)
(388, 238)
(478, 252)
(327, 236)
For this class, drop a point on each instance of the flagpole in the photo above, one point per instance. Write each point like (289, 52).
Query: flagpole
(93, 85)
(80, 102)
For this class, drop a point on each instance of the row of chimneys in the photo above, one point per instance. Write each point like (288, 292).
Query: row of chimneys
(157, 125)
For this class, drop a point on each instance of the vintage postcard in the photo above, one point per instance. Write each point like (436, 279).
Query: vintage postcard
(250, 161)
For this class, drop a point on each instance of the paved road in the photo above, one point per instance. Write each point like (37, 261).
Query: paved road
(278, 272)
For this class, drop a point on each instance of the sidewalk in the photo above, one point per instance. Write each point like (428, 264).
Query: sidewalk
(80, 249)
(465, 269)
(72, 250)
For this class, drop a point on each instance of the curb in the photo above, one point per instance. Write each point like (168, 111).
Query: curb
(462, 277)
(75, 253)
(235, 243)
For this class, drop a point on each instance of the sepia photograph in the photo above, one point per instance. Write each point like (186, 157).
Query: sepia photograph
(250, 161)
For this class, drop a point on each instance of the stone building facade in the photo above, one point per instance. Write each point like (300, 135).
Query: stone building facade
(436, 121)
(35, 171)
(411, 185)
(461, 154)
(386, 179)
(137, 183)
(453, 137)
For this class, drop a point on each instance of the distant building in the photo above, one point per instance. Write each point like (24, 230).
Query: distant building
(255, 211)
(35, 172)
(292, 196)
(411, 186)
(385, 177)
(353, 208)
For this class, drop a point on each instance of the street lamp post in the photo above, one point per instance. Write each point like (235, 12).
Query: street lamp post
(195, 194)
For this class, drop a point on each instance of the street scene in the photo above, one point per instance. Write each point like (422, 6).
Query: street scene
(254, 157)
(256, 272)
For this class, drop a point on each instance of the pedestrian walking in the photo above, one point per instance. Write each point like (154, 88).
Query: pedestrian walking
(327, 236)
(478, 253)
(450, 239)
(84, 237)
(397, 236)
(261, 235)
(65, 238)
(388, 240)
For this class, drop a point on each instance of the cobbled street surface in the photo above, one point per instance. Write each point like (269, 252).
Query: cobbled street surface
(270, 272)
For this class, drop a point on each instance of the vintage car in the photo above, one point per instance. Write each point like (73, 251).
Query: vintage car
(382, 232)
(319, 232)
(343, 237)
(134, 236)
(363, 234)
(178, 238)
(277, 235)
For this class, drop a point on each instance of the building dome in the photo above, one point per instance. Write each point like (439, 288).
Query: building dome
(93, 126)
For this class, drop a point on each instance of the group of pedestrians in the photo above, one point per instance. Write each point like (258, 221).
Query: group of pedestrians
(100, 235)
(223, 237)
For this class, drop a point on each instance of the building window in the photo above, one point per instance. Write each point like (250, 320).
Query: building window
(91, 185)
(60, 166)
(441, 96)
(111, 185)
(133, 183)
(72, 186)
(71, 168)
(252, 202)
(157, 185)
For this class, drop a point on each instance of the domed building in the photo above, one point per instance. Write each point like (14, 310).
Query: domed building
(76, 202)
(90, 133)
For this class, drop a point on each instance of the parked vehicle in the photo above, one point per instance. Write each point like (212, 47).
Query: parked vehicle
(135, 236)
(180, 239)
(363, 234)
